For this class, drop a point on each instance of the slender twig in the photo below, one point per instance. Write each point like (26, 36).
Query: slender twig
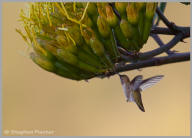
(115, 11)
(161, 30)
(170, 25)
(186, 3)
(160, 43)
(157, 51)
(167, 31)
(162, 8)
(179, 57)
(162, 49)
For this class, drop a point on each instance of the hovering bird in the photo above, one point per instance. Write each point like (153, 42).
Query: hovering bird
(133, 89)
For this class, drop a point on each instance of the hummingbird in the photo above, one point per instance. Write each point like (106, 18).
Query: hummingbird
(133, 88)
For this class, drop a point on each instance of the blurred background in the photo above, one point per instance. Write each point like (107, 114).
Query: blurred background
(36, 99)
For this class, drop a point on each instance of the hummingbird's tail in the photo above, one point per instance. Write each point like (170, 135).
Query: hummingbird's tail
(138, 100)
(141, 107)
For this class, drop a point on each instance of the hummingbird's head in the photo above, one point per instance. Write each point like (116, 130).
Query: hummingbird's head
(124, 79)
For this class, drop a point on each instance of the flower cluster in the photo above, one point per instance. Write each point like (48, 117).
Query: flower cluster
(78, 40)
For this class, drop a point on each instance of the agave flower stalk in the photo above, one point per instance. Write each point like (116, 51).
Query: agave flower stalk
(79, 40)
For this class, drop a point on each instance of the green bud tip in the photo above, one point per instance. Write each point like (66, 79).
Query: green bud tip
(121, 7)
(42, 62)
(103, 27)
(111, 17)
(150, 9)
(132, 13)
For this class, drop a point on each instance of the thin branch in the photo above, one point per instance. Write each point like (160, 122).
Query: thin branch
(161, 30)
(160, 43)
(115, 11)
(186, 3)
(162, 8)
(162, 49)
(173, 28)
(167, 31)
(170, 25)
(180, 57)
(157, 51)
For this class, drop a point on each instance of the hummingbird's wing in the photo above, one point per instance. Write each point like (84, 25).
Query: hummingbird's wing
(126, 86)
(149, 82)
(138, 100)
(136, 82)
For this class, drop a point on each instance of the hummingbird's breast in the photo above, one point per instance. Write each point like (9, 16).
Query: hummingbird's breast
(128, 92)
(131, 99)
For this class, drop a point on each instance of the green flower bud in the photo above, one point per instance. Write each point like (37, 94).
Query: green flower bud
(140, 5)
(43, 62)
(103, 27)
(73, 60)
(132, 13)
(67, 56)
(111, 17)
(121, 7)
(68, 45)
(80, 4)
(127, 44)
(38, 49)
(127, 29)
(88, 21)
(89, 59)
(146, 31)
(48, 46)
(65, 71)
(87, 33)
(92, 9)
(120, 37)
(141, 27)
(99, 50)
(97, 46)
(75, 34)
(150, 9)
(62, 40)
(111, 48)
